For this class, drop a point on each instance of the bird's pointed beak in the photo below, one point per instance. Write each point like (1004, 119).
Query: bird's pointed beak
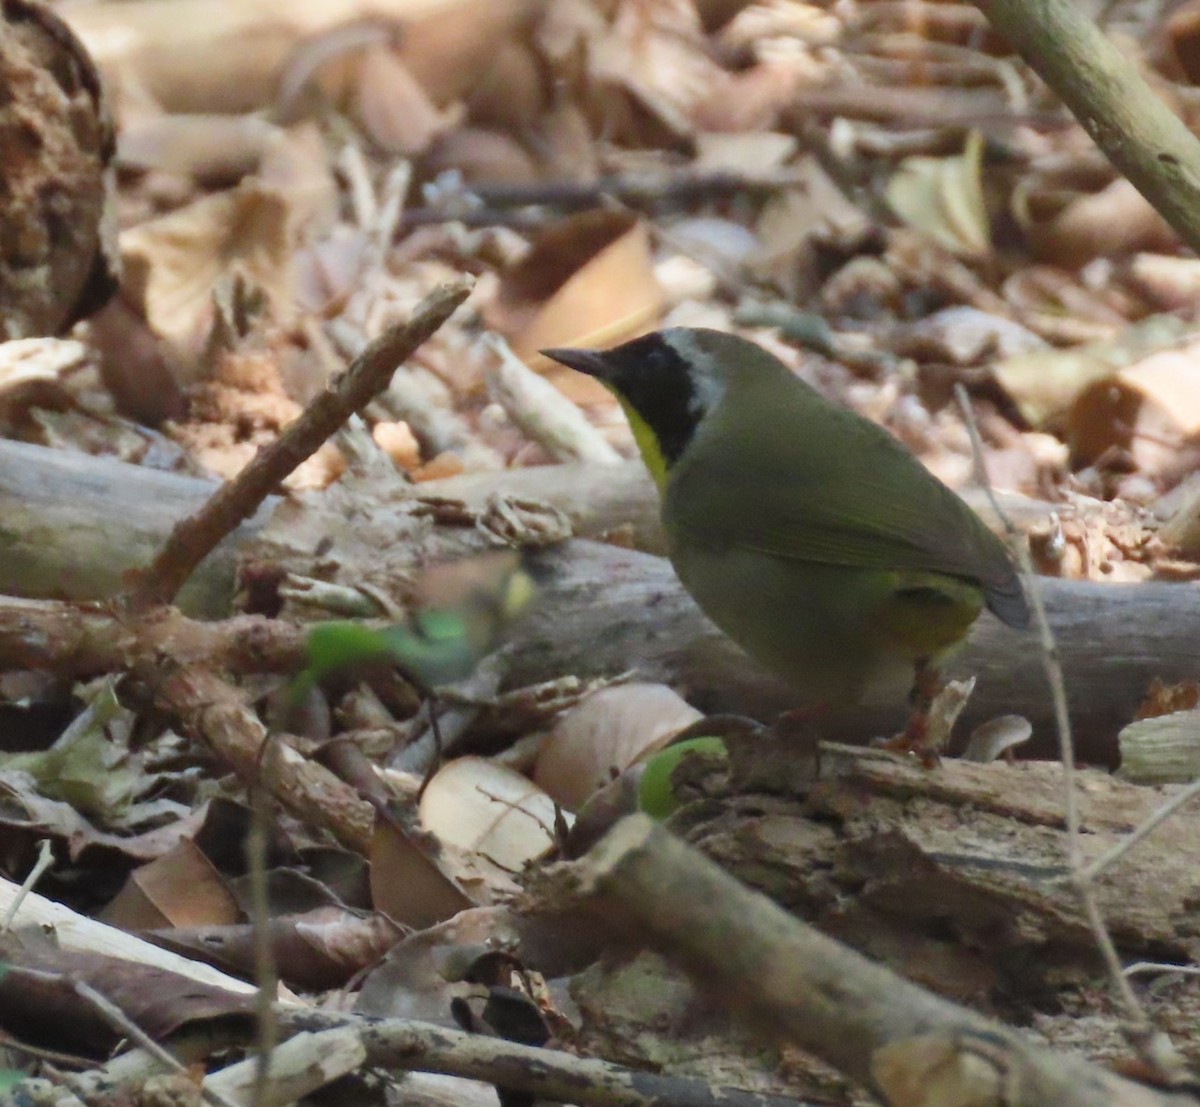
(592, 362)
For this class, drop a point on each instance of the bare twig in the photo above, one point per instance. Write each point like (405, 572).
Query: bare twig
(266, 976)
(405, 1045)
(1139, 1029)
(44, 860)
(235, 501)
(1130, 123)
(544, 414)
(119, 1021)
(648, 190)
(1090, 872)
(218, 715)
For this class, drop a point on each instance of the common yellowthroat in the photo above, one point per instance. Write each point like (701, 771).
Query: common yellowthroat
(808, 534)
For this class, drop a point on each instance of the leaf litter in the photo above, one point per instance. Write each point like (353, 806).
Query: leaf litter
(884, 195)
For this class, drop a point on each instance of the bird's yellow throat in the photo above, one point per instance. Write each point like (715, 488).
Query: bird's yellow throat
(647, 441)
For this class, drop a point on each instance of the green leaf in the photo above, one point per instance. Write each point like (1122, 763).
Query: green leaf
(441, 644)
(655, 795)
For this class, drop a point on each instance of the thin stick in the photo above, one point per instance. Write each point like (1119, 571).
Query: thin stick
(1140, 1029)
(236, 500)
(1102, 86)
(408, 1046)
(1090, 872)
(119, 1021)
(267, 977)
(44, 860)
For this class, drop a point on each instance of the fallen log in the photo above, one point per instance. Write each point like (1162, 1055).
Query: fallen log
(73, 525)
(607, 610)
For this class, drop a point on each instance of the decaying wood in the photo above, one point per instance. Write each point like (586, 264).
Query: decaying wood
(74, 524)
(962, 868)
(955, 876)
(792, 982)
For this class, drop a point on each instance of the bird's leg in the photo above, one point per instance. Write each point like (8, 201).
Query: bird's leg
(927, 683)
(914, 738)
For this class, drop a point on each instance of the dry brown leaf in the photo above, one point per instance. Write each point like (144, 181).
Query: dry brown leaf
(328, 271)
(480, 806)
(1106, 224)
(791, 221)
(297, 165)
(155, 999)
(606, 733)
(1151, 409)
(180, 888)
(229, 55)
(210, 149)
(172, 263)
(1180, 38)
(755, 99)
(588, 281)
(1045, 383)
(482, 157)
(565, 145)
(1172, 283)
(393, 109)
(655, 52)
(408, 880)
(511, 93)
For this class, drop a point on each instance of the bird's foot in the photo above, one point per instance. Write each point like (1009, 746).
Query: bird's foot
(913, 740)
(916, 739)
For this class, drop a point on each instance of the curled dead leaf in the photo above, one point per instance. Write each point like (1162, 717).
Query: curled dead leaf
(392, 107)
(605, 734)
(588, 281)
(1045, 383)
(1106, 224)
(31, 370)
(173, 262)
(943, 198)
(1150, 409)
(478, 805)
(996, 737)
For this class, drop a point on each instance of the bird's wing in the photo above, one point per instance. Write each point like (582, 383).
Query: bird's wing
(851, 497)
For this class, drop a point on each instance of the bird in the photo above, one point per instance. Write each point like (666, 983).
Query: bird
(808, 534)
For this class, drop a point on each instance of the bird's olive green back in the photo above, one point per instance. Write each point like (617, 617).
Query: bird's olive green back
(797, 476)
